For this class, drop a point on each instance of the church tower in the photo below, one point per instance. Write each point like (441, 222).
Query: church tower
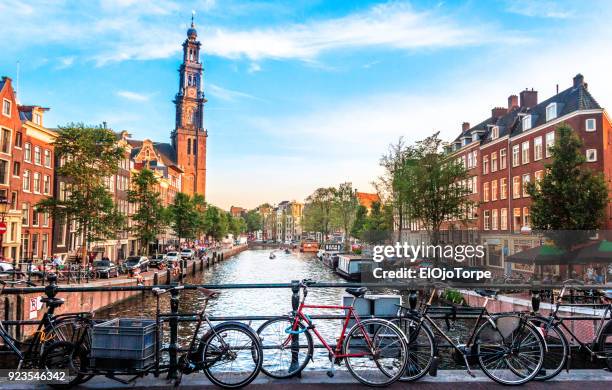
(189, 135)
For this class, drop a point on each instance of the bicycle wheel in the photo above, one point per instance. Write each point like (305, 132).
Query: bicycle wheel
(65, 356)
(605, 344)
(284, 354)
(384, 360)
(557, 349)
(510, 350)
(232, 355)
(421, 348)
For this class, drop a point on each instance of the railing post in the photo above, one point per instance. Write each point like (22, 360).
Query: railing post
(412, 299)
(535, 300)
(172, 348)
(295, 339)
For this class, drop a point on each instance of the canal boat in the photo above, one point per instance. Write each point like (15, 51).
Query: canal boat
(272, 255)
(351, 267)
(309, 246)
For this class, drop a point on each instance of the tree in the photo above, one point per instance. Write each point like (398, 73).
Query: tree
(254, 221)
(217, 222)
(568, 204)
(344, 209)
(359, 223)
(237, 225)
(184, 217)
(149, 218)
(317, 216)
(89, 155)
(378, 224)
(429, 181)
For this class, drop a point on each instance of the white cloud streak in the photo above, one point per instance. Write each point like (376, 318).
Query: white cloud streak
(133, 96)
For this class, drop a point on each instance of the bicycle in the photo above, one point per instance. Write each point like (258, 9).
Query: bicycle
(374, 350)
(556, 334)
(508, 347)
(59, 342)
(220, 348)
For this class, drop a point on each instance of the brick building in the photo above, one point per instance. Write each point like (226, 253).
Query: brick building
(508, 150)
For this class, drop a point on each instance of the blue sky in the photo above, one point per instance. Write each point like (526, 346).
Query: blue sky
(302, 94)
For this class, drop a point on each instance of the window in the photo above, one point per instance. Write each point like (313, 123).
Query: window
(591, 155)
(590, 125)
(475, 184)
(35, 217)
(25, 214)
(188, 146)
(538, 175)
(45, 221)
(25, 245)
(494, 162)
(517, 219)
(494, 190)
(6, 107)
(526, 180)
(47, 185)
(47, 158)
(27, 152)
(37, 182)
(550, 142)
(26, 180)
(5, 141)
(503, 188)
(37, 118)
(14, 196)
(44, 245)
(515, 156)
(485, 165)
(485, 192)
(487, 220)
(526, 122)
(503, 223)
(34, 245)
(470, 163)
(502, 159)
(495, 132)
(551, 111)
(16, 168)
(516, 187)
(526, 217)
(525, 152)
(494, 219)
(18, 139)
(37, 156)
(537, 148)
(4, 172)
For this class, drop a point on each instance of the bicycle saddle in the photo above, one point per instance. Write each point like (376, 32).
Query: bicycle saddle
(357, 291)
(486, 293)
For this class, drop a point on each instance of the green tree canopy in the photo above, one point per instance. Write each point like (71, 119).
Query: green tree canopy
(184, 217)
(317, 215)
(254, 221)
(568, 204)
(344, 209)
(149, 219)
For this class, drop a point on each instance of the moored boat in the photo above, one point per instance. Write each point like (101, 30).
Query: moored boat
(309, 246)
(351, 267)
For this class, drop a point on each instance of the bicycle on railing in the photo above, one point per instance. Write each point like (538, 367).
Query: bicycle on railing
(230, 353)
(59, 342)
(374, 350)
(509, 349)
(556, 334)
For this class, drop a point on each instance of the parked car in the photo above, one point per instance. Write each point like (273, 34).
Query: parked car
(187, 254)
(172, 256)
(158, 261)
(106, 269)
(133, 263)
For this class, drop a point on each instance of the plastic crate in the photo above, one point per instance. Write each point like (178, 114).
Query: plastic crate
(123, 343)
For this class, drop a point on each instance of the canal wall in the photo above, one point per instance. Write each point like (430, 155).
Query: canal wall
(29, 307)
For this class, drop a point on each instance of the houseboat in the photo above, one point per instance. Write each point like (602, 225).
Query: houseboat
(351, 267)
(329, 254)
(309, 247)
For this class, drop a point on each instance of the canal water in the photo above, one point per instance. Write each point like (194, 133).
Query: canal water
(254, 266)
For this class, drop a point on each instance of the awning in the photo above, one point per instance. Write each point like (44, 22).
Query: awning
(540, 255)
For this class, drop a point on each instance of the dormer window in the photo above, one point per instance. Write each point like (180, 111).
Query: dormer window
(495, 132)
(551, 111)
(466, 141)
(475, 137)
(37, 118)
(526, 122)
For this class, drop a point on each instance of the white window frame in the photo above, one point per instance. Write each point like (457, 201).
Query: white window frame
(10, 139)
(525, 152)
(590, 128)
(516, 155)
(487, 219)
(526, 122)
(27, 152)
(503, 188)
(537, 148)
(493, 190)
(38, 152)
(47, 153)
(551, 111)
(503, 159)
(485, 192)
(516, 184)
(503, 221)
(8, 173)
(494, 219)
(26, 178)
(550, 142)
(494, 132)
(526, 179)
(10, 107)
(591, 152)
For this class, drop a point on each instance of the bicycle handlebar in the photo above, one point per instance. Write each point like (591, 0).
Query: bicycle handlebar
(160, 291)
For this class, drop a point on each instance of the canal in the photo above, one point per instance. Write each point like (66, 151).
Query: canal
(254, 266)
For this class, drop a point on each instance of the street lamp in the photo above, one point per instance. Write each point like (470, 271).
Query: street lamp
(3, 208)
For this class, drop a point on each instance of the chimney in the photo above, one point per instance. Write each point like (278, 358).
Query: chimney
(578, 80)
(465, 126)
(512, 102)
(498, 112)
(529, 98)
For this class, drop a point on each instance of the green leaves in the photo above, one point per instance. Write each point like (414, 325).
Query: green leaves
(150, 217)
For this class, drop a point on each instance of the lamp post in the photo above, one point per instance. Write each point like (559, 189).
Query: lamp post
(3, 208)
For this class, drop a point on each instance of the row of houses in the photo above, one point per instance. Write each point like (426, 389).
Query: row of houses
(509, 149)
(281, 223)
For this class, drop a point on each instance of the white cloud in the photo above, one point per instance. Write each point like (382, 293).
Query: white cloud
(393, 25)
(541, 9)
(228, 95)
(134, 96)
(65, 62)
(254, 67)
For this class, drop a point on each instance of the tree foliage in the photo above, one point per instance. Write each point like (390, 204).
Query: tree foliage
(317, 215)
(568, 204)
(89, 155)
(253, 221)
(344, 209)
(149, 218)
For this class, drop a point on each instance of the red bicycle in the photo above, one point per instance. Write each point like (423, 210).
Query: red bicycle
(374, 350)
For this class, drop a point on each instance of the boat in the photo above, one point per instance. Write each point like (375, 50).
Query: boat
(309, 246)
(330, 260)
(287, 251)
(272, 255)
(351, 267)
